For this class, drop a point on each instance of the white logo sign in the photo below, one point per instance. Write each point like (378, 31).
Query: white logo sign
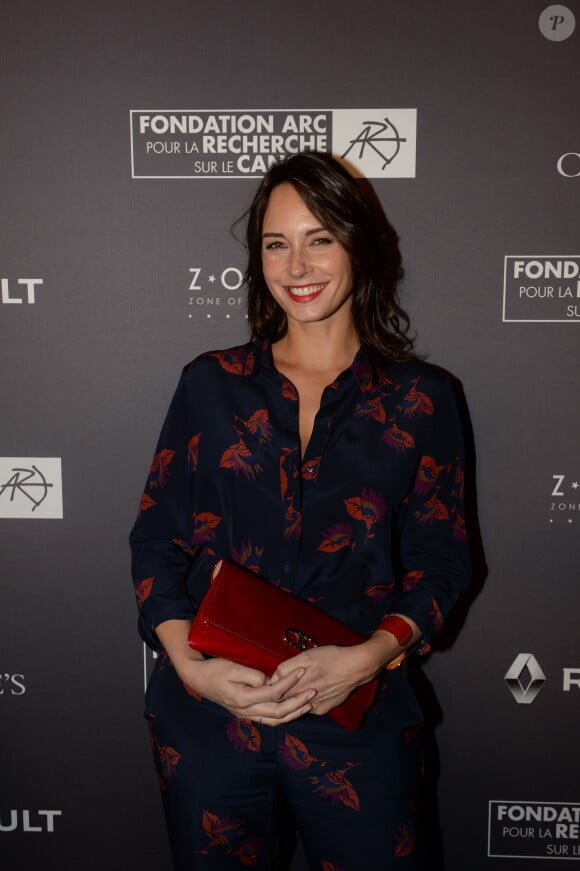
(12, 684)
(150, 657)
(525, 678)
(534, 830)
(31, 488)
(216, 293)
(244, 143)
(377, 143)
(568, 164)
(541, 289)
(557, 23)
(564, 498)
(22, 290)
(28, 821)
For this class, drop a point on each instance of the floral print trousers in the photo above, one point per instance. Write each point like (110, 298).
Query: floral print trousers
(235, 792)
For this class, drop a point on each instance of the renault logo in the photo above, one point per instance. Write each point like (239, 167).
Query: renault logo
(525, 678)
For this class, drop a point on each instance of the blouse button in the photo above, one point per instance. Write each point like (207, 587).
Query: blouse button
(286, 568)
(310, 468)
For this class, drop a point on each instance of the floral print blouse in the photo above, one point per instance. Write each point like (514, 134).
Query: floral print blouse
(368, 522)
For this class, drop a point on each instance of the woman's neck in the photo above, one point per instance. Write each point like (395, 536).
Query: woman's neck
(316, 348)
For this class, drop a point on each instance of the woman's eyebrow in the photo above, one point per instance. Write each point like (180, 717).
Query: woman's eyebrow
(308, 232)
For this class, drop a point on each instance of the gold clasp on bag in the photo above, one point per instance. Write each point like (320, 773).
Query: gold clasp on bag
(299, 640)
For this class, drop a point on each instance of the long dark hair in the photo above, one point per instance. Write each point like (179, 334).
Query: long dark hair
(350, 210)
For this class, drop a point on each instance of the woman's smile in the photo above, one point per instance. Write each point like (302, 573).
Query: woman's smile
(306, 292)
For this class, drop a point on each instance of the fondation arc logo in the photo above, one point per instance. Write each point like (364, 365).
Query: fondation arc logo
(244, 143)
(525, 678)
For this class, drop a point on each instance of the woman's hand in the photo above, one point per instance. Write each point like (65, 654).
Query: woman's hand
(334, 672)
(246, 692)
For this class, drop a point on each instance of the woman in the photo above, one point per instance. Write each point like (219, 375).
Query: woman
(324, 457)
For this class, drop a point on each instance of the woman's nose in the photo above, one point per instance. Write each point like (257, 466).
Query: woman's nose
(298, 263)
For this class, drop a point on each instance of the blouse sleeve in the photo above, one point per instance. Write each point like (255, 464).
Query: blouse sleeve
(164, 565)
(433, 542)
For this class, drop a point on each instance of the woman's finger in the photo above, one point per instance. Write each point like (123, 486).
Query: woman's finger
(280, 712)
(251, 695)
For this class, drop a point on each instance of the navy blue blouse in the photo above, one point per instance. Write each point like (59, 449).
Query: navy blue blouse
(369, 522)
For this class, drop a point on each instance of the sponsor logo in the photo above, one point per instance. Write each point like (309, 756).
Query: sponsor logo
(12, 685)
(569, 164)
(541, 289)
(376, 143)
(525, 678)
(556, 23)
(31, 488)
(570, 679)
(28, 821)
(564, 499)
(216, 293)
(534, 830)
(23, 290)
(150, 657)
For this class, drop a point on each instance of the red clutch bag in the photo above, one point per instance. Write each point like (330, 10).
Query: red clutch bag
(254, 623)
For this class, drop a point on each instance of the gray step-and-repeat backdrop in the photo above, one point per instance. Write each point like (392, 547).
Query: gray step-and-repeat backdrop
(132, 136)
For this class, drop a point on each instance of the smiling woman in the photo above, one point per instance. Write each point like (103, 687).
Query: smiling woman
(303, 263)
(350, 215)
(329, 462)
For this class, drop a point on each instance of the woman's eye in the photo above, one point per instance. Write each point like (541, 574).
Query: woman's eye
(270, 246)
(322, 240)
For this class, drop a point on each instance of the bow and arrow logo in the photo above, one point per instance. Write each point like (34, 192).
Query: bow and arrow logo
(26, 483)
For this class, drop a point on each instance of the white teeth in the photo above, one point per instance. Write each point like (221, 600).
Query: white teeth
(306, 291)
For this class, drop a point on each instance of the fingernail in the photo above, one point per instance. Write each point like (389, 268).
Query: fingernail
(300, 673)
(311, 695)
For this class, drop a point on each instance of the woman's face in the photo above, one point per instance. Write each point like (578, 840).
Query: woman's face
(307, 270)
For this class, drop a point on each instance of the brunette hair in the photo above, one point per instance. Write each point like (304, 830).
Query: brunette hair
(350, 210)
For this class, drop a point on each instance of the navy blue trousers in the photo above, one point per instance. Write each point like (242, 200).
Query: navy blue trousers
(235, 792)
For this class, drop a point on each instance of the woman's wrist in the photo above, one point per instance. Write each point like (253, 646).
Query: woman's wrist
(396, 634)
(173, 635)
(380, 649)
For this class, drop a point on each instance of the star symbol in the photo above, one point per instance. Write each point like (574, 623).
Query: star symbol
(211, 278)
(551, 520)
(575, 485)
(570, 520)
(208, 316)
